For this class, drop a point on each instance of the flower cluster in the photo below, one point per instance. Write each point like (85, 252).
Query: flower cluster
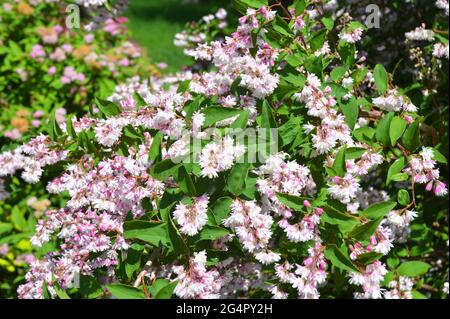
(252, 227)
(198, 33)
(400, 289)
(197, 282)
(332, 130)
(307, 277)
(369, 280)
(31, 158)
(192, 217)
(219, 156)
(423, 171)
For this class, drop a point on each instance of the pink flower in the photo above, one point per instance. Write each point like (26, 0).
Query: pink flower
(88, 38)
(37, 51)
(38, 114)
(192, 217)
(440, 189)
(14, 134)
(52, 70)
(124, 62)
(115, 26)
(67, 48)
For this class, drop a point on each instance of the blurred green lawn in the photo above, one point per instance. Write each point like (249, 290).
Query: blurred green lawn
(154, 23)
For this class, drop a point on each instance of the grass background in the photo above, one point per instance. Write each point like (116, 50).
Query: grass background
(154, 23)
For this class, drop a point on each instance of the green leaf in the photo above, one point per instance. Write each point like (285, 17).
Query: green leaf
(268, 120)
(359, 75)
(368, 258)
(183, 86)
(281, 26)
(69, 126)
(364, 231)
(354, 152)
(15, 238)
(237, 177)
(399, 177)
(383, 127)
(417, 295)
(121, 291)
(178, 243)
(153, 233)
(328, 23)
(413, 268)
(240, 6)
(291, 75)
(347, 53)
(364, 134)
(162, 289)
(108, 108)
(403, 197)
(398, 126)
(216, 114)
(289, 130)
(53, 128)
(18, 218)
(62, 294)
(256, 3)
(15, 48)
(85, 142)
(381, 78)
(221, 209)
(5, 227)
(411, 138)
(140, 102)
(291, 201)
(351, 112)
(210, 232)
(344, 221)
(317, 39)
(314, 65)
(339, 259)
(439, 157)
(339, 162)
(164, 169)
(45, 291)
(378, 210)
(395, 168)
(185, 182)
(155, 149)
(89, 287)
(299, 6)
(133, 261)
(338, 73)
(241, 121)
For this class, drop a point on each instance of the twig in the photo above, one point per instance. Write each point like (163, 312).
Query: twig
(286, 12)
(429, 288)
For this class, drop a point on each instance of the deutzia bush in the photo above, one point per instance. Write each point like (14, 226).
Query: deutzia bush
(49, 65)
(290, 168)
(49, 68)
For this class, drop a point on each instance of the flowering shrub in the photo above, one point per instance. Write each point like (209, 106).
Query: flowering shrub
(290, 169)
(209, 28)
(48, 66)
(48, 69)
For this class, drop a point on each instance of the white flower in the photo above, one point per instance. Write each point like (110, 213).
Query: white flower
(351, 36)
(192, 217)
(420, 34)
(440, 50)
